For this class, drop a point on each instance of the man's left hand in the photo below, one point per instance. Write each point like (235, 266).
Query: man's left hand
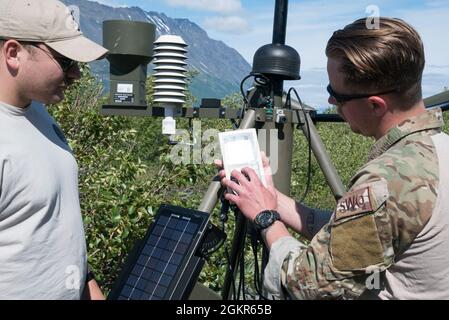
(252, 197)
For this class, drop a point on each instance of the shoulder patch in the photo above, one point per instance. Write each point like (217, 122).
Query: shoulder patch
(355, 240)
(354, 203)
(365, 197)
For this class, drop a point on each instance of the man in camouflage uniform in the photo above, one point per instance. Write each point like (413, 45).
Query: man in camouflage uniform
(388, 235)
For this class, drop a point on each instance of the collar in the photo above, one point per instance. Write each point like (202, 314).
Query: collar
(431, 119)
(13, 110)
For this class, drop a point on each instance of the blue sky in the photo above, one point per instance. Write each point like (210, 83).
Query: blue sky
(247, 24)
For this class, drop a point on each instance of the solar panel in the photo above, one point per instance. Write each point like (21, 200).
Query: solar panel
(165, 264)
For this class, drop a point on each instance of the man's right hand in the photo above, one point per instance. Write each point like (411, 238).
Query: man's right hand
(265, 164)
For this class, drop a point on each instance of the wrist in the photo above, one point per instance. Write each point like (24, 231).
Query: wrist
(274, 232)
(264, 232)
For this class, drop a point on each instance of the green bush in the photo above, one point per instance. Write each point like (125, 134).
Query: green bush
(125, 174)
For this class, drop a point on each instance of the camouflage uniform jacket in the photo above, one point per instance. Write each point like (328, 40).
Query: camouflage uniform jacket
(374, 226)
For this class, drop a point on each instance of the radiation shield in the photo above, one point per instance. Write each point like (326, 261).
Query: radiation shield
(130, 45)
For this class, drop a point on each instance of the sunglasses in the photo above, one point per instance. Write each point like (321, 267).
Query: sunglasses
(65, 63)
(342, 98)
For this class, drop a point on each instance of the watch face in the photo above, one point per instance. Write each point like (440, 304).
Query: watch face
(265, 219)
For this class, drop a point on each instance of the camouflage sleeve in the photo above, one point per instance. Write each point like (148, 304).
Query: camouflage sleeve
(377, 220)
(273, 289)
(345, 252)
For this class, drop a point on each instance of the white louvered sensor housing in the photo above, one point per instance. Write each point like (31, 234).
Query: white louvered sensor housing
(170, 57)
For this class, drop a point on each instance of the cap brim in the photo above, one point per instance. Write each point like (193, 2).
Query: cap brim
(79, 49)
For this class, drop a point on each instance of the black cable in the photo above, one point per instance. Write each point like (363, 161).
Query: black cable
(309, 166)
(261, 80)
(224, 212)
(256, 271)
(242, 274)
(259, 76)
(256, 278)
(254, 236)
(228, 258)
(288, 102)
(241, 287)
(245, 99)
(224, 218)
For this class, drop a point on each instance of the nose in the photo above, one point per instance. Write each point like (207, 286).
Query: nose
(332, 100)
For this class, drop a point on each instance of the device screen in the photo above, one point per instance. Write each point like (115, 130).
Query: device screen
(240, 149)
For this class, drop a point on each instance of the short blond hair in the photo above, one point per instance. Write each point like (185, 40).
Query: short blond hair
(384, 58)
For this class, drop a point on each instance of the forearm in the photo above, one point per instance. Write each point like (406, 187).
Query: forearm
(293, 214)
(302, 219)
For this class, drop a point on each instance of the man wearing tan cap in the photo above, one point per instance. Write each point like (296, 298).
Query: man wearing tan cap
(42, 242)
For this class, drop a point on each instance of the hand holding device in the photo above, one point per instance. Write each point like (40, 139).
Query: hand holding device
(240, 149)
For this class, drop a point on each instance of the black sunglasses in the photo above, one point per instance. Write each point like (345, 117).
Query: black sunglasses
(65, 63)
(342, 98)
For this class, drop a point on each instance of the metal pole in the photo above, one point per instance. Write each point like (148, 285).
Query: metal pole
(208, 203)
(280, 21)
(249, 121)
(284, 146)
(321, 155)
(212, 195)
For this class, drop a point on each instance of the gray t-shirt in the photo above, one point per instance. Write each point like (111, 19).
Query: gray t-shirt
(42, 242)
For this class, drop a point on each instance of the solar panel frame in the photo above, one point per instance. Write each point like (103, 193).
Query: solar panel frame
(170, 281)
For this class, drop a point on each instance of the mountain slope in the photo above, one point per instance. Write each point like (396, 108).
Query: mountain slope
(220, 67)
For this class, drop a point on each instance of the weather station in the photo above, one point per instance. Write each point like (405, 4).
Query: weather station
(166, 263)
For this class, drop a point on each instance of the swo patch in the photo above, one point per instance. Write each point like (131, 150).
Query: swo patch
(355, 242)
(354, 203)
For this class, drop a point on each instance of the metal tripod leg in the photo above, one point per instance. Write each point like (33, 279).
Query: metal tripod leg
(208, 204)
(237, 250)
(214, 191)
(323, 159)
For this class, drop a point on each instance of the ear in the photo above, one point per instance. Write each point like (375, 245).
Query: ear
(12, 51)
(379, 106)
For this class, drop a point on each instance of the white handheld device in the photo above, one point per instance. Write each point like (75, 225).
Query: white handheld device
(240, 149)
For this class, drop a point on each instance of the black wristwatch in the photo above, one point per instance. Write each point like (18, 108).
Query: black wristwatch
(265, 219)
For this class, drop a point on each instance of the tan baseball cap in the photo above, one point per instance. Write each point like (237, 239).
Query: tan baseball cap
(50, 22)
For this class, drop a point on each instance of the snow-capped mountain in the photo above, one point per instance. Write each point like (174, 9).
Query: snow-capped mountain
(220, 67)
